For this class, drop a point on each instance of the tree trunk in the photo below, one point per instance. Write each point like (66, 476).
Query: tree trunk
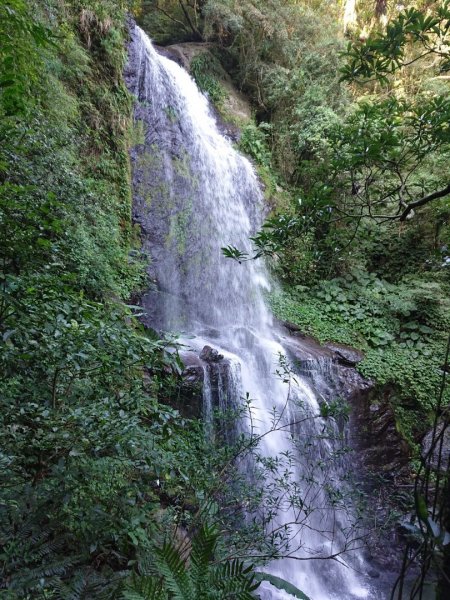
(349, 15)
(380, 8)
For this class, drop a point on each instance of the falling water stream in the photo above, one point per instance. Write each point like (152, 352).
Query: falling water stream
(193, 194)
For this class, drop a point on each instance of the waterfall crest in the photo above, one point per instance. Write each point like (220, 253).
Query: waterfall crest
(193, 194)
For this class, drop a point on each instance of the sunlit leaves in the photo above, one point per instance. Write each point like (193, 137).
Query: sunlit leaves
(411, 36)
(379, 153)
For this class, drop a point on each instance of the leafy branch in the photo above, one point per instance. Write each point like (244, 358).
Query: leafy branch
(384, 53)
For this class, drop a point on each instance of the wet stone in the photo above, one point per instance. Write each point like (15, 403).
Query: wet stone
(210, 332)
(209, 354)
(345, 355)
(440, 437)
(193, 376)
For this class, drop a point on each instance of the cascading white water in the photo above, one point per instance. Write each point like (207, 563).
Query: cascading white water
(193, 194)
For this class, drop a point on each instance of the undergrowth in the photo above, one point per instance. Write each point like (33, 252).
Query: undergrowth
(399, 327)
(207, 71)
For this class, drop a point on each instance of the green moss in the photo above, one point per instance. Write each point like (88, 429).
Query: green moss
(207, 71)
(182, 165)
(171, 114)
(179, 229)
(137, 134)
(150, 160)
(156, 192)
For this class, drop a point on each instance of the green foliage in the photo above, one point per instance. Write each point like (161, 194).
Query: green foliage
(74, 403)
(65, 166)
(171, 21)
(74, 408)
(206, 71)
(387, 156)
(281, 584)
(384, 53)
(285, 56)
(234, 253)
(22, 40)
(253, 142)
(167, 574)
(384, 161)
(174, 573)
(398, 326)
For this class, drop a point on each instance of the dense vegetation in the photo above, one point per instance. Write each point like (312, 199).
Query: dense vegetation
(95, 466)
(72, 392)
(99, 475)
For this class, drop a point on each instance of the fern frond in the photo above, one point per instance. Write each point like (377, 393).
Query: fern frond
(146, 564)
(144, 588)
(88, 584)
(45, 547)
(172, 568)
(112, 590)
(235, 580)
(132, 595)
(203, 547)
(77, 588)
(26, 578)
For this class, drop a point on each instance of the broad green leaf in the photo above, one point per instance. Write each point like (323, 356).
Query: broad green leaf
(282, 584)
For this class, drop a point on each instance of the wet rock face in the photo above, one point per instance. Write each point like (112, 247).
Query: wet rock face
(375, 435)
(381, 459)
(352, 384)
(441, 434)
(172, 53)
(345, 355)
(193, 376)
(189, 397)
(192, 194)
(331, 369)
(207, 372)
(184, 52)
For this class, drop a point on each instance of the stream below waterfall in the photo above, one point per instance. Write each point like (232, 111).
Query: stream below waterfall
(193, 194)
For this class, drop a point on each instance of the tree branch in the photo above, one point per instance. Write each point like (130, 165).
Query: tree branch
(412, 205)
(169, 16)
(189, 20)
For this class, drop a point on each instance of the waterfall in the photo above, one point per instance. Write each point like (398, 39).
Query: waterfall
(193, 194)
